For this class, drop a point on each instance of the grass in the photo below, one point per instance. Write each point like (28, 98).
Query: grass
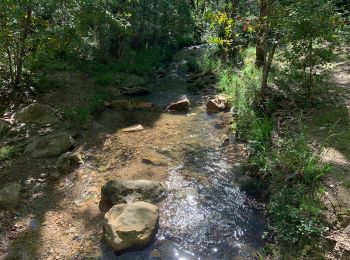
(77, 117)
(207, 62)
(7, 152)
(295, 210)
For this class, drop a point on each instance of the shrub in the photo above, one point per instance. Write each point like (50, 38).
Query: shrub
(7, 152)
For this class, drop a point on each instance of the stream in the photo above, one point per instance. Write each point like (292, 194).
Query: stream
(206, 215)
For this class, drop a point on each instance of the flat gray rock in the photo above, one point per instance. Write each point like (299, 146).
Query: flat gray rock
(50, 146)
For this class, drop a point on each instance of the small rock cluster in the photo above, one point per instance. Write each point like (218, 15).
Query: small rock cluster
(53, 144)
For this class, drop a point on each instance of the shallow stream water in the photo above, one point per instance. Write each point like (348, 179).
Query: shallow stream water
(206, 214)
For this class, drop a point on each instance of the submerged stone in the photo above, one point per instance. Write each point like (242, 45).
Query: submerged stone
(134, 91)
(120, 104)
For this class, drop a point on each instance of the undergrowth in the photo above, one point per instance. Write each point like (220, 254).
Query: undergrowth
(288, 167)
(7, 152)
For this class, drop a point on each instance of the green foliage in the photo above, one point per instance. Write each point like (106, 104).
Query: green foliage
(77, 117)
(142, 63)
(35, 34)
(227, 28)
(104, 79)
(310, 32)
(193, 65)
(7, 152)
(243, 87)
(260, 133)
(291, 169)
(294, 173)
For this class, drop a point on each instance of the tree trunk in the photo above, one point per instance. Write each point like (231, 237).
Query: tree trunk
(268, 63)
(101, 44)
(235, 6)
(262, 33)
(9, 57)
(23, 42)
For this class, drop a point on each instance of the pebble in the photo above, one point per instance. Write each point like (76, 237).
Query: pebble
(41, 180)
(28, 182)
(43, 175)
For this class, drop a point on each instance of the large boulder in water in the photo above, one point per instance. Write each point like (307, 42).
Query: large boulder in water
(182, 104)
(37, 113)
(50, 146)
(130, 226)
(10, 195)
(124, 191)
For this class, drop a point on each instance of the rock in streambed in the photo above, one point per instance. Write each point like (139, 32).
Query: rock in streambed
(124, 191)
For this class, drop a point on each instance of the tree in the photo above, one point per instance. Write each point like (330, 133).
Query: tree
(261, 39)
(16, 18)
(305, 27)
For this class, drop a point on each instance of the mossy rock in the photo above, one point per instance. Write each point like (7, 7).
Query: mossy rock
(37, 113)
(67, 163)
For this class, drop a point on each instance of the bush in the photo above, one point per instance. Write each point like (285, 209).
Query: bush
(295, 174)
(7, 152)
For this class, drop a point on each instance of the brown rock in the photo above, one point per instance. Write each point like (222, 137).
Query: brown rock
(217, 104)
(120, 104)
(180, 105)
(145, 105)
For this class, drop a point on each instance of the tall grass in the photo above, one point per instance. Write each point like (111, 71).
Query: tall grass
(290, 169)
(243, 86)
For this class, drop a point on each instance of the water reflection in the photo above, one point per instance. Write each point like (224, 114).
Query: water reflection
(205, 215)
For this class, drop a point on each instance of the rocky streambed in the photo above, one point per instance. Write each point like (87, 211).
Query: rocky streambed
(207, 212)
